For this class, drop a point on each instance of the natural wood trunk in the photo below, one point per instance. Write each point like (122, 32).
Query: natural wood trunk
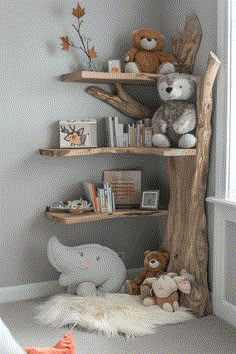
(185, 45)
(186, 232)
(122, 101)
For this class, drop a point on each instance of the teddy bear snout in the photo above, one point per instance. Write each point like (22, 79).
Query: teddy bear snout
(169, 89)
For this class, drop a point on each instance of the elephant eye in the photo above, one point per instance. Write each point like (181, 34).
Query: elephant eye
(81, 254)
(97, 258)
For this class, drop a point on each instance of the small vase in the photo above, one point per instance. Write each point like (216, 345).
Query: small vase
(92, 65)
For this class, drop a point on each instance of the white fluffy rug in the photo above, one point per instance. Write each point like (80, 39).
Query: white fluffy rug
(110, 314)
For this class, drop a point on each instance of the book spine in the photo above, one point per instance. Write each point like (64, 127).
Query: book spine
(109, 198)
(113, 202)
(114, 131)
(116, 124)
(148, 137)
(94, 198)
(121, 134)
(110, 132)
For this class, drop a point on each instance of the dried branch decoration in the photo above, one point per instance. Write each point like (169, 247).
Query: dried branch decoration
(90, 52)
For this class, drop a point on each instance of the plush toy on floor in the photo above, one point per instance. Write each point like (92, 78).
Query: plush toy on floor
(174, 123)
(165, 290)
(87, 269)
(147, 53)
(155, 263)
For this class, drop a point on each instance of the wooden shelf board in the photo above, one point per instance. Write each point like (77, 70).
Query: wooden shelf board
(109, 150)
(107, 78)
(69, 219)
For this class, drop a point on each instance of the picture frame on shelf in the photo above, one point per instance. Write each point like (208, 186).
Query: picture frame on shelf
(114, 66)
(78, 133)
(150, 200)
(126, 186)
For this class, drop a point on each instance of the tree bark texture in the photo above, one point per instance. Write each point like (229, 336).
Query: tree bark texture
(186, 232)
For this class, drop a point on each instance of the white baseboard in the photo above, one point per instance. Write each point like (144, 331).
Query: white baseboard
(29, 291)
(48, 288)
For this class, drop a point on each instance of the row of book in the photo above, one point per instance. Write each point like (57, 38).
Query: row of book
(101, 198)
(127, 135)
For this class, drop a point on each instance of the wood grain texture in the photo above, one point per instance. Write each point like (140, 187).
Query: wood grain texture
(185, 45)
(109, 150)
(122, 101)
(186, 232)
(69, 219)
(110, 78)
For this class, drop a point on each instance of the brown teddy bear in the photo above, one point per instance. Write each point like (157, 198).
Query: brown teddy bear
(147, 53)
(155, 263)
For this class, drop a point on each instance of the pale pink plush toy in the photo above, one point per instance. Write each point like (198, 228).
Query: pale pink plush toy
(165, 290)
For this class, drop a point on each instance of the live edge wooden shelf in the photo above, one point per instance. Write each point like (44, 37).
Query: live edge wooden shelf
(108, 150)
(69, 219)
(110, 78)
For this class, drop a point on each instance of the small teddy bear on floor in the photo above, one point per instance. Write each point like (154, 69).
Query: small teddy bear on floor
(174, 122)
(147, 54)
(155, 263)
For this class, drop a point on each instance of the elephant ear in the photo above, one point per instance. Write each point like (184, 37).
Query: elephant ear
(183, 284)
(61, 257)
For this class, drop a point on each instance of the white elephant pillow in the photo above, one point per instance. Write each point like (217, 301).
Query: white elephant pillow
(87, 269)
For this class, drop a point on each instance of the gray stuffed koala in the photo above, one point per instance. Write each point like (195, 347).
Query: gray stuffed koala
(174, 123)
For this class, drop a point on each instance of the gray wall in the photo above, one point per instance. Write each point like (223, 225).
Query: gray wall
(32, 102)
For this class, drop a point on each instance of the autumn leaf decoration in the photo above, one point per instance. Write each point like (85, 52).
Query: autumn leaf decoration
(90, 52)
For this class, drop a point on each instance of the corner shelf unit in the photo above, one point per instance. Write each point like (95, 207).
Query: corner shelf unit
(185, 237)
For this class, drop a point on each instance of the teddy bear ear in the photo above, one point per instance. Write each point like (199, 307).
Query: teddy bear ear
(146, 253)
(165, 254)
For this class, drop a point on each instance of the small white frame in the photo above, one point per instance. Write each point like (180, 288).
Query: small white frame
(150, 200)
(114, 66)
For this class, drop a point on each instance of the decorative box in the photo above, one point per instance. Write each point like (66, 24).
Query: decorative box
(78, 133)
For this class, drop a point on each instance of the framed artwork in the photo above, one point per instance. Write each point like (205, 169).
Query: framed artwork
(78, 134)
(126, 186)
(150, 200)
(114, 66)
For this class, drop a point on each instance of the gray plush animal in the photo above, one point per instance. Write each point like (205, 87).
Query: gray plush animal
(175, 120)
(87, 269)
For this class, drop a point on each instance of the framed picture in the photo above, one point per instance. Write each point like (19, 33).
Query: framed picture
(114, 66)
(150, 200)
(78, 134)
(126, 186)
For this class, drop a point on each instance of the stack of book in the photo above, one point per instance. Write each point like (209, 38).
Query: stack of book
(127, 135)
(102, 198)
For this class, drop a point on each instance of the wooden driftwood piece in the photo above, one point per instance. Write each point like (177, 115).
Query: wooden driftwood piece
(185, 47)
(186, 232)
(122, 101)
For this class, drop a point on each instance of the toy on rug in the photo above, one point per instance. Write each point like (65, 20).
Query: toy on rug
(147, 53)
(155, 263)
(174, 123)
(87, 269)
(165, 290)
